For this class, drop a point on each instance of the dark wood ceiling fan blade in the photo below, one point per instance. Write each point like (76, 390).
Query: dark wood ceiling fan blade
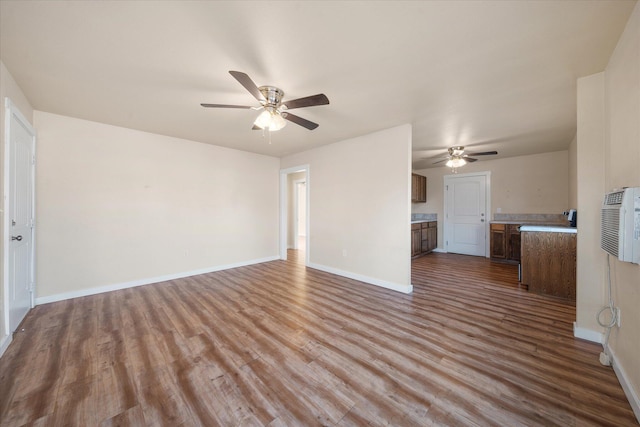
(440, 161)
(248, 84)
(308, 101)
(256, 128)
(470, 160)
(484, 153)
(226, 106)
(300, 121)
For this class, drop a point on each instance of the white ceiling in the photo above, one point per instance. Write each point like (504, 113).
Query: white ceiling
(486, 74)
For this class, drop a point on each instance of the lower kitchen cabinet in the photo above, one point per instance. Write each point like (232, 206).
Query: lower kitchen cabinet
(416, 240)
(424, 238)
(513, 242)
(505, 242)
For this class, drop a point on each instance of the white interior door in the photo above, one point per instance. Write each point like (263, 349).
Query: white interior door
(465, 214)
(19, 216)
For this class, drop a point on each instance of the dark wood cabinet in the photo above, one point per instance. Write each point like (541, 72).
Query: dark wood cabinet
(505, 242)
(416, 240)
(418, 188)
(424, 237)
(498, 241)
(429, 236)
(513, 242)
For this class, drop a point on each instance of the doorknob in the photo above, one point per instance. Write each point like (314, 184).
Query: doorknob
(18, 238)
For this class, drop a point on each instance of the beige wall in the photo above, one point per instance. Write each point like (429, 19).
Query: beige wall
(118, 206)
(622, 169)
(10, 89)
(526, 184)
(359, 206)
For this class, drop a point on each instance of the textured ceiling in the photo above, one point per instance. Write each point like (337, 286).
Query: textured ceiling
(489, 75)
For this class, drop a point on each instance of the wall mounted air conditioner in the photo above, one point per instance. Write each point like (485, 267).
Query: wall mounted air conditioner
(620, 235)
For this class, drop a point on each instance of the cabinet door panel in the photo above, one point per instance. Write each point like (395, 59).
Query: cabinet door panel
(498, 241)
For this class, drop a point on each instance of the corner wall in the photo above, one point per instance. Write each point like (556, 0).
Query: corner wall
(359, 195)
(608, 158)
(118, 207)
(591, 260)
(622, 169)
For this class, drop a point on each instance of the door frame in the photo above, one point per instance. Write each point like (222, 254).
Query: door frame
(446, 226)
(284, 208)
(11, 110)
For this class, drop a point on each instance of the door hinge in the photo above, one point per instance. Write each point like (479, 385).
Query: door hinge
(33, 160)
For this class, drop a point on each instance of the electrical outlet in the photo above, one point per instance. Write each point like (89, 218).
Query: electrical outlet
(618, 316)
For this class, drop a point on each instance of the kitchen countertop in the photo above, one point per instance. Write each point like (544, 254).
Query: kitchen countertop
(533, 222)
(549, 228)
(422, 220)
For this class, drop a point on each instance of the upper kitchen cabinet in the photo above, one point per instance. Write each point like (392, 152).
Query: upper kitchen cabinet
(418, 188)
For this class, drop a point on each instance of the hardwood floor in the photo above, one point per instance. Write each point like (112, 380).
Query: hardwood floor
(277, 344)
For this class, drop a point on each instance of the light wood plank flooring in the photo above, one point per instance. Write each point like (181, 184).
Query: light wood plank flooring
(280, 345)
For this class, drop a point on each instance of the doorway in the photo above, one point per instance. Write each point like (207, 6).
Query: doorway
(19, 217)
(300, 214)
(294, 212)
(467, 201)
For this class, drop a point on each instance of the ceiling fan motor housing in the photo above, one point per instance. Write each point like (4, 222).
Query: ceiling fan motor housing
(272, 94)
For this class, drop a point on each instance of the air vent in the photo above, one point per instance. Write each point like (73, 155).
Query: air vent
(614, 198)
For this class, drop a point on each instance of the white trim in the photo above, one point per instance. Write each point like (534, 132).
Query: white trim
(4, 344)
(445, 226)
(284, 208)
(626, 383)
(12, 110)
(407, 289)
(142, 282)
(587, 334)
(440, 250)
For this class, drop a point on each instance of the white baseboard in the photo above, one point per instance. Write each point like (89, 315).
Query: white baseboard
(142, 282)
(440, 250)
(4, 344)
(626, 384)
(407, 289)
(587, 334)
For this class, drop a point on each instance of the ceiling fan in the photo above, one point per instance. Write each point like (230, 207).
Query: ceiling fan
(275, 110)
(457, 157)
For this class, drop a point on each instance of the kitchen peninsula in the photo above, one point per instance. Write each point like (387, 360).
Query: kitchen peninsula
(545, 247)
(549, 260)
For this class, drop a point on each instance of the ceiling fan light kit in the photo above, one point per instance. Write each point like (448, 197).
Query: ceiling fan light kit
(270, 119)
(456, 162)
(273, 117)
